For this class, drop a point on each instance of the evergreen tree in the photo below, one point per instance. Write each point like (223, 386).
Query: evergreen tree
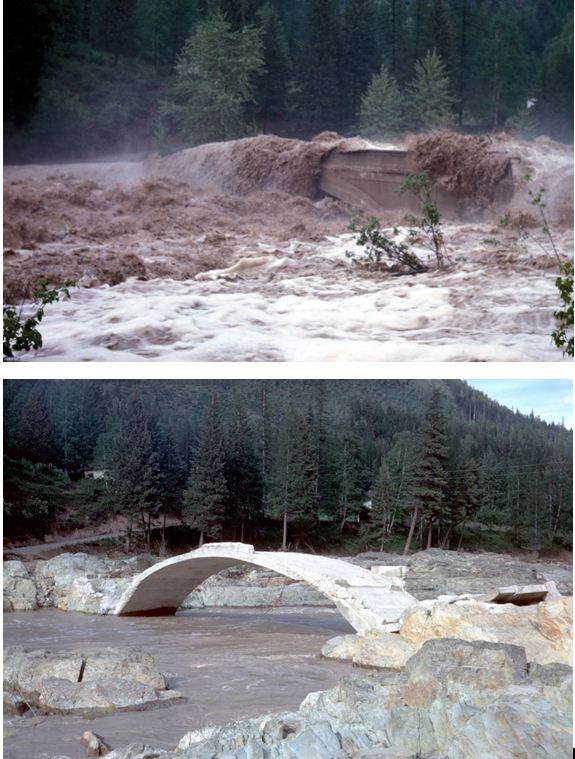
(421, 29)
(554, 105)
(215, 78)
(430, 485)
(35, 439)
(118, 27)
(351, 493)
(319, 94)
(302, 480)
(243, 471)
(430, 99)
(360, 55)
(465, 504)
(231, 10)
(381, 106)
(381, 504)
(503, 70)
(134, 481)
(205, 498)
(441, 33)
(272, 86)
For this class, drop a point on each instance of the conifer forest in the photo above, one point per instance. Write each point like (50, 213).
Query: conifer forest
(110, 76)
(317, 464)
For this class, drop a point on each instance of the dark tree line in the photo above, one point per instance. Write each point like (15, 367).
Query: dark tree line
(69, 59)
(316, 461)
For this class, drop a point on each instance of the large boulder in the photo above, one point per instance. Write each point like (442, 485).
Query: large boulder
(124, 664)
(89, 683)
(104, 696)
(82, 582)
(20, 592)
(374, 649)
(544, 630)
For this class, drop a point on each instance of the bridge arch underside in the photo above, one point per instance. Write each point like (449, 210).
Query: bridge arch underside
(162, 592)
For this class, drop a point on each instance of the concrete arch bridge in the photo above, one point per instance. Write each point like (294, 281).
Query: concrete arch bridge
(367, 600)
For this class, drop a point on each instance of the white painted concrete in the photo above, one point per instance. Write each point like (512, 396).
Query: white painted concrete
(366, 600)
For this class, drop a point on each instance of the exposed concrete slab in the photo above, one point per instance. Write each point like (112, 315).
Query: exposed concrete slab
(366, 600)
(372, 180)
(522, 595)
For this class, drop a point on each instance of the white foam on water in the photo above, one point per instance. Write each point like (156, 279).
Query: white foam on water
(318, 307)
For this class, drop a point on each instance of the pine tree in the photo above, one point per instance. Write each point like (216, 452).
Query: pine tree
(215, 80)
(360, 55)
(430, 99)
(272, 87)
(381, 504)
(319, 96)
(381, 106)
(134, 481)
(243, 471)
(118, 27)
(429, 492)
(35, 438)
(351, 493)
(554, 104)
(466, 499)
(204, 502)
(441, 33)
(302, 481)
(503, 77)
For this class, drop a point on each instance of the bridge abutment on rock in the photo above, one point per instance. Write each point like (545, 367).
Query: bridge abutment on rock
(367, 600)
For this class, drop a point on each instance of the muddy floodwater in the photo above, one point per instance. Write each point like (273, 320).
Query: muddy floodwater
(226, 252)
(228, 663)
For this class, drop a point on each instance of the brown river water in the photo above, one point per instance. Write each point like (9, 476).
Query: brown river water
(229, 664)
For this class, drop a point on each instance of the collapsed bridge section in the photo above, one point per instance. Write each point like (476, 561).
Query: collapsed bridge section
(372, 179)
(368, 601)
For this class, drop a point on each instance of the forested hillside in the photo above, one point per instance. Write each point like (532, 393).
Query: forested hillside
(305, 462)
(92, 76)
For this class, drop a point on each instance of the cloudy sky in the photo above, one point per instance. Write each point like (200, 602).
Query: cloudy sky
(551, 400)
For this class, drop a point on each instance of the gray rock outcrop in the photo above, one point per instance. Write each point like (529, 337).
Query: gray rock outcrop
(453, 700)
(20, 593)
(435, 572)
(88, 683)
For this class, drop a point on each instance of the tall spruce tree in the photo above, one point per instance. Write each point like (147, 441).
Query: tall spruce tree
(430, 484)
(204, 501)
(441, 33)
(430, 99)
(319, 92)
(35, 437)
(360, 56)
(302, 480)
(243, 472)
(381, 504)
(272, 84)
(134, 481)
(351, 492)
(382, 106)
(465, 503)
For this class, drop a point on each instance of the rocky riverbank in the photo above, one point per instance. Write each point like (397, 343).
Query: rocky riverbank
(464, 676)
(94, 584)
(452, 699)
